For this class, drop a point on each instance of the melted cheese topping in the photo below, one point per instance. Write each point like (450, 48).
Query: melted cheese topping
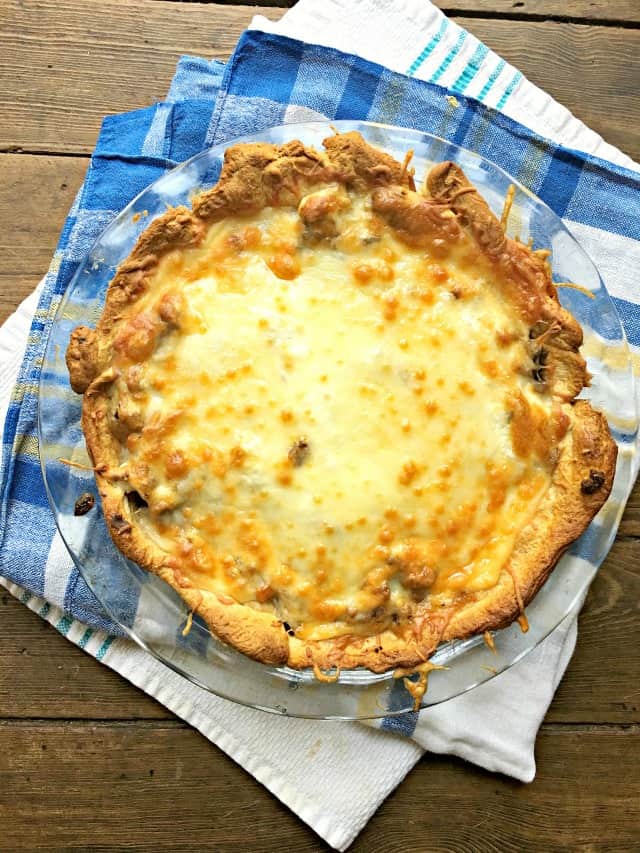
(331, 428)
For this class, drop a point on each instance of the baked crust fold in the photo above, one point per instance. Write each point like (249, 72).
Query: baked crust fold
(580, 458)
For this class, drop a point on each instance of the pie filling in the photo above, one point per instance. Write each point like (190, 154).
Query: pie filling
(333, 424)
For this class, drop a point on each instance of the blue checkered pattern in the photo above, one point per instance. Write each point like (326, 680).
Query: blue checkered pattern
(271, 80)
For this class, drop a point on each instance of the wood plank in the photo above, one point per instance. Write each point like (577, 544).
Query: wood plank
(446, 805)
(600, 11)
(602, 682)
(133, 787)
(630, 524)
(44, 675)
(601, 685)
(60, 62)
(13, 289)
(75, 786)
(35, 196)
(64, 62)
(84, 785)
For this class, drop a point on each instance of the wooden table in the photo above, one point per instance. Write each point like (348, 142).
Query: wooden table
(86, 760)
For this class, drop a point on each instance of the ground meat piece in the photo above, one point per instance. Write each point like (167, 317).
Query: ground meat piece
(594, 481)
(299, 451)
(84, 504)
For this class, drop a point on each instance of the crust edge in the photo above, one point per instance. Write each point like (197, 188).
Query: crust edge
(262, 636)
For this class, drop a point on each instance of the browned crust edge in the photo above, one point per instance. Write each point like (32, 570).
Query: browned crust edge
(260, 175)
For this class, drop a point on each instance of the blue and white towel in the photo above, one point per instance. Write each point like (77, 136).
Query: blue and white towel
(272, 79)
(413, 37)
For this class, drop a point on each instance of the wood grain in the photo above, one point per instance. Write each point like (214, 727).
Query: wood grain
(630, 524)
(44, 675)
(601, 685)
(35, 196)
(163, 787)
(107, 768)
(624, 12)
(621, 12)
(60, 61)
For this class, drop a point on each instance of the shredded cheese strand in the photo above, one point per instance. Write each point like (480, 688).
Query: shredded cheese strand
(508, 204)
(573, 286)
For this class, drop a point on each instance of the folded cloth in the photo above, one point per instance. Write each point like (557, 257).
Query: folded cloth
(415, 38)
(353, 768)
(438, 50)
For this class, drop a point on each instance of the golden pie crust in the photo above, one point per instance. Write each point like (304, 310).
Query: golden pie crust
(566, 447)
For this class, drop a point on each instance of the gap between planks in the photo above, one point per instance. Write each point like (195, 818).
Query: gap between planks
(566, 727)
(22, 152)
(532, 18)
(619, 13)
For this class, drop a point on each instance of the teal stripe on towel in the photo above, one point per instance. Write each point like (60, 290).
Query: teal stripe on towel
(427, 50)
(84, 639)
(64, 624)
(517, 77)
(104, 648)
(455, 50)
(471, 69)
(492, 79)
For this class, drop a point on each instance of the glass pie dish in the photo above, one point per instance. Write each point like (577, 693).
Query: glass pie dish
(153, 615)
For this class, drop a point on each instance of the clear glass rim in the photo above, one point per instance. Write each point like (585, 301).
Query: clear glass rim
(281, 671)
